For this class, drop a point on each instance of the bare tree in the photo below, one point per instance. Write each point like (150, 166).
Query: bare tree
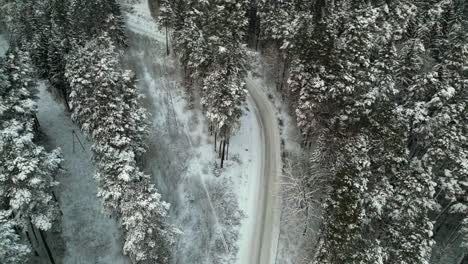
(304, 187)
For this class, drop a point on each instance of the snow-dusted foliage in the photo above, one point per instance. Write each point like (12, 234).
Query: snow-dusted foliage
(383, 83)
(26, 169)
(143, 215)
(104, 98)
(75, 44)
(222, 100)
(278, 18)
(106, 104)
(57, 44)
(208, 39)
(12, 250)
(89, 18)
(28, 24)
(46, 30)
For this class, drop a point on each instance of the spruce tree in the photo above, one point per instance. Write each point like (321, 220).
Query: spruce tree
(12, 249)
(27, 170)
(89, 18)
(105, 103)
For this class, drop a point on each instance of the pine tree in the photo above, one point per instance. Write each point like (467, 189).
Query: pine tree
(28, 171)
(29, 26)
(208, 39)
(89, 18)
(223, 96)
(12, 249)
(276, 18)
(343, 239)
(149, 238)
(58, 46)
(105, 103)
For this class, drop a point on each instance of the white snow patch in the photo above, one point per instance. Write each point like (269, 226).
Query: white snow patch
(140, 21)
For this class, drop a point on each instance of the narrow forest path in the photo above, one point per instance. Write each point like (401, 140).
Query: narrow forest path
(90, 236)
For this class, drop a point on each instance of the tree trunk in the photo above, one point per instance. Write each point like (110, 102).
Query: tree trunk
(73, 141)
(36, 123)
(34, 232)
(65, 97)
(306, 222)
(49, 253)
(283, 75)
(227, 150)
(257, 38)
(220, 145)
(278, 67)
(216, 134)
(257, 31)
(167, 42)
(222, 155)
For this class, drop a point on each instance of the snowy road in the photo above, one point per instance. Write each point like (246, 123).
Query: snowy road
(264, 240)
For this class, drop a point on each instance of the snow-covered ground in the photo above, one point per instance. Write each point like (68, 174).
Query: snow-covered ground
(90, 236)
(205, 199)
(140, 21)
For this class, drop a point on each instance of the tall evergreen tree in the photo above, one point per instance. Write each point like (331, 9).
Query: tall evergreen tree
(12, 249)
(89, 18)
(27, 170)
(105, 103)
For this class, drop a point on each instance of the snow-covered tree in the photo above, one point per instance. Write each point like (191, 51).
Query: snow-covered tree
(223, 96)
(89, 18)
(149, 238)
(105, 103)
(208, 39)
(29, 27)
(276, 18)
(27, 171)
(344, 220)
(384, 80)
(12, 249)
(58, 46)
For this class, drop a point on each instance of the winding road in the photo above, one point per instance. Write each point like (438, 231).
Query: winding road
(264, 240)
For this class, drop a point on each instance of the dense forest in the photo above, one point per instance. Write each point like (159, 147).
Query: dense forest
(380, 83)
(76, 45)
(381, 86)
